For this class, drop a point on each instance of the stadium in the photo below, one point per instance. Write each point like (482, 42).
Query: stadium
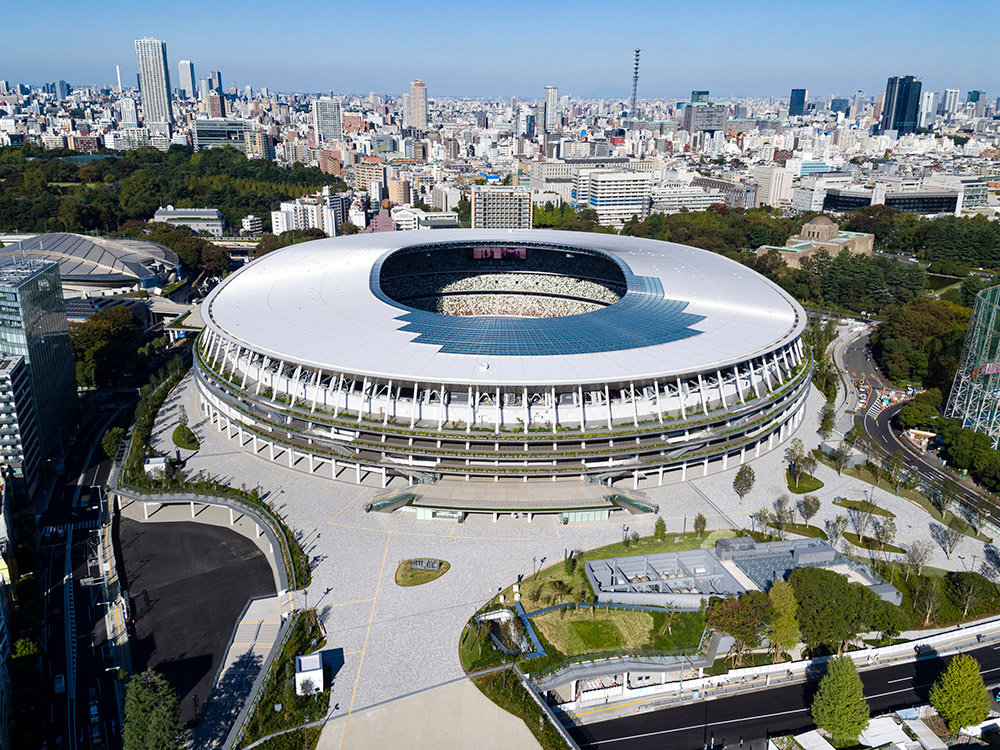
(462, 355)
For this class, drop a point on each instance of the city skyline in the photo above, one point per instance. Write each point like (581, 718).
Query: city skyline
(676, 57)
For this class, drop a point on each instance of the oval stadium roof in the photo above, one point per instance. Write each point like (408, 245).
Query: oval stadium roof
(685, 311)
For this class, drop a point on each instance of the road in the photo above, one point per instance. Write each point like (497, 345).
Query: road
(876, 422)
(74, 624)
(755, 716)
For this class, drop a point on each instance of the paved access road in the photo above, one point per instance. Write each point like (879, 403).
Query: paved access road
(754, 716)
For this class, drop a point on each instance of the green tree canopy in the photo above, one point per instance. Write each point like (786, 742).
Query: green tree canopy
(743, 617)
(782, 616)
(959, 694)
(152, 713)
(831, 611)
(840, 707)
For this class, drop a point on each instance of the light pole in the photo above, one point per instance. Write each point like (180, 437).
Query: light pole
(624, 534)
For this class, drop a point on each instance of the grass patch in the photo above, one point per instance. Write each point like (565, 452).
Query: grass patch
(185, 438)
(807, 483)
(723, 664)
(505, 689)
(305, 637)
(572, 632)
(406, 575)
(864, 506)
(598, 635)
(802, 530)
(866, 542)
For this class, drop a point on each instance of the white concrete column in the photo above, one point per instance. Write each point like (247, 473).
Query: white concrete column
(472, 413)
(659, 409)
(739, 387)
(415, 404)
(388, 403)
(527, 409)
(555, 411)
(361, 405)
(680, 398)
(357, 473)
(722, 389)
(607, 403)
(583, 419)
(443, 413)
(701, 392)
(499, 411)
(635, 407)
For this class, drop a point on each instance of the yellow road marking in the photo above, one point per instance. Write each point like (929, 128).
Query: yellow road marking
(364, 647)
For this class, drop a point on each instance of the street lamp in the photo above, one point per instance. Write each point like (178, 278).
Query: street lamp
(624, 534)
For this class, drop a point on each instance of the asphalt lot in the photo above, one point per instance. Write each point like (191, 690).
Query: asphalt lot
(188, 584)
(755, 716)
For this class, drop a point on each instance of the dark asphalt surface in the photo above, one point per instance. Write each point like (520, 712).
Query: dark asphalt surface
(756, 715)
(188, 584)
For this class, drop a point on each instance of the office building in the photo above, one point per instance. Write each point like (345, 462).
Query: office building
(700, 96)
(797, 102)
(702, 115)
(418, 106)
(33, 326)
(154, 84)
(928, 109)
(840, 104)
(204, 86)
(902, 102)
(62, 90)
(949, 103)
(551, 105)
(187, 79)
(774, 186)
(498, 207)
(215, 81)
(326, 121)
(216, 105)
(615, 196)
(217, 132)
(19, 452)
(257, 145)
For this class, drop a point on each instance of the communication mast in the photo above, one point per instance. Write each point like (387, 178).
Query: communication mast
(633, 111)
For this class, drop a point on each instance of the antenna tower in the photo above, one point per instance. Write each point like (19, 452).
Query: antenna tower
(634, 105)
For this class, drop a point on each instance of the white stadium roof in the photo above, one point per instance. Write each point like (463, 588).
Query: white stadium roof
(318, 304)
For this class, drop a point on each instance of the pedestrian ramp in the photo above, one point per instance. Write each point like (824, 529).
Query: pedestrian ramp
(253, 638)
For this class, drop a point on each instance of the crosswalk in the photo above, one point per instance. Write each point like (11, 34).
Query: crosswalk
(76, 526)
(876, 408)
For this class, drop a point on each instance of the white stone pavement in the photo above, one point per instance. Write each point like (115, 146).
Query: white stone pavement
(397, 641)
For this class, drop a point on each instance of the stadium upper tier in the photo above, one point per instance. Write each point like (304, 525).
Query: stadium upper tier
(367, 305)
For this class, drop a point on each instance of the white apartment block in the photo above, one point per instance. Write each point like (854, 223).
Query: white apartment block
(672, 199)
(774, 186)
(615, 196)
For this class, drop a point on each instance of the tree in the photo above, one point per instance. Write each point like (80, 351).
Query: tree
(699, 524)
(927, 598)
(916, 556)
(762, 517)
(782, 618)
(840, 707)
(152, 713)
(659, 528)
(827, 420)
(861, 519)
(832, 611)
(182, 416)
(841, 456)
(111, 440)
(885, 534)
(947, 496)
(965, 588)
(794, 454)
(894, 465)
(835, 530)
(948, 536)
(808, 507)
(743, 482)
(959, 695)
(743, 618)
(346, 228)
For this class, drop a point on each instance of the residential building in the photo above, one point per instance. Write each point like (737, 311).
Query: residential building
(215, 105)
(797, 102)
(499, 207)
(418, 106)
(257, 145)
(325, 211)
(217, 132)
(33, 326)
(20, 455)
(252, 224)
(129, 112)
(187, 79)
(369, 169)
(399, 191)
(154, 84)
(445, 197)
(949, 103)
(928, 109)
(552, 118)
(902, 102)
(207, 220)
(672, 199)
(326, 121)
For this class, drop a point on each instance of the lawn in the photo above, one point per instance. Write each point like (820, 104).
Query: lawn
(185, 438)
(572, 632)
(868, 543)
(409, 576)
(802, 530)
(864, 506)
(807, 483)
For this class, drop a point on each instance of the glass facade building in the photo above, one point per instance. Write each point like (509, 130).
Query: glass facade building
(33, 326)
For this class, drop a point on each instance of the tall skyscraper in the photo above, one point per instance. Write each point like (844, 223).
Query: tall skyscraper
(187, 79)
(797, 102)
(551, 109)
(326, 120)
(949, 104)
(215, 81)
(204, 86)
(33, 326)
(418, 105)
(902, 102)
(928, 109)
(859, 103)
(154, 83)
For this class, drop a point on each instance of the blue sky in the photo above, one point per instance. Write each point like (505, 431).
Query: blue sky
(515, 47)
